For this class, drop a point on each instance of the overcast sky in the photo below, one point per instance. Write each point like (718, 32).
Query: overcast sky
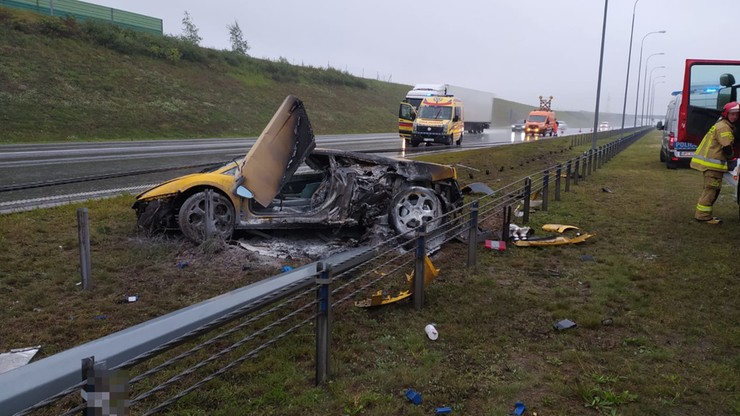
(516, 49)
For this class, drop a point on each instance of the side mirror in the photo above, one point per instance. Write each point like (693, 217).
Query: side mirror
(244, 192)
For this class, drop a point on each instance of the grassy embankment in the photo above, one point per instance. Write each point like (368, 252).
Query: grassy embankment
(656, 312)
(62, 80)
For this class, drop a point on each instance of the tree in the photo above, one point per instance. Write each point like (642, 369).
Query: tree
(189, 31)
(238, 44)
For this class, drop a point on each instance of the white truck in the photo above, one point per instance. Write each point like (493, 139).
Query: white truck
(478, 113)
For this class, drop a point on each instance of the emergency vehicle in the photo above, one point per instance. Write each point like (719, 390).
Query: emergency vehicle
(439, 120)
(542, 121)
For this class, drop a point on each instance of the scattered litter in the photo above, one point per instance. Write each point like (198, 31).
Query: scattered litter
(413, 396)
(17, 358)
(442, 410)
(607, 321)
(132, 298)
(286, 269)
(588, 257)
(519, 409)
(553, 272)
(607, 190)
(101, 317)
(182, 264)
(496, 245)
(520, 233)
(431, 331)
(564, 324)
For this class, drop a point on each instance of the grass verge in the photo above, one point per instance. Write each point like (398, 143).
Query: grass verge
(656, 317)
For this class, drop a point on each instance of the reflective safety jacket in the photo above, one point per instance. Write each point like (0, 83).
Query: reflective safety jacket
(708, 155)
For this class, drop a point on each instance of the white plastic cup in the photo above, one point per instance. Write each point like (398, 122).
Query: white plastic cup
(431, 332)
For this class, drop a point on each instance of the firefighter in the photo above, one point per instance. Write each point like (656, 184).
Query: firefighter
(711, 158)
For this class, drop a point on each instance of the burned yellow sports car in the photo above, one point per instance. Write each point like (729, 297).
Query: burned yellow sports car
(285, 182)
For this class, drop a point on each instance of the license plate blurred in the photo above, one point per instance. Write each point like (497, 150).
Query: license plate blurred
(428, 140)
(685, 154)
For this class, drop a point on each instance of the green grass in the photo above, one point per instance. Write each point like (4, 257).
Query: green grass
(664, 285)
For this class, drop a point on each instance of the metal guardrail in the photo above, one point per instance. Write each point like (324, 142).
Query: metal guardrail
(156, 363)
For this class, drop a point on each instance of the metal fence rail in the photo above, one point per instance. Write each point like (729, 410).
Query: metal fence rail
(159, 362)
(82, 11)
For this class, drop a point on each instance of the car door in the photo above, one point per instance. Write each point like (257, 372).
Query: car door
(283, 146)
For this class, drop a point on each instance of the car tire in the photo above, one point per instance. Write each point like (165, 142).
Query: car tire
(412, 207)
(459, 141)
(192, 217)
(662, 155)
(448, 140)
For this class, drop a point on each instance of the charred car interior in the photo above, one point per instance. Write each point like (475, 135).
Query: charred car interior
(284, 182)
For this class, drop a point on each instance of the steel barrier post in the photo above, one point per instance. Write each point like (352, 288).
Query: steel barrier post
(545, 189)
(83, 235)
(591, 153)
(577, 170)
(568, 172)
(583, 165)
(419, 268)
(505, 227)
(323, 322)
(558, 174)
(527, 196)
(473, 234)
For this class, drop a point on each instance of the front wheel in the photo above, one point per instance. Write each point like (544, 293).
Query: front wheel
(193, 216)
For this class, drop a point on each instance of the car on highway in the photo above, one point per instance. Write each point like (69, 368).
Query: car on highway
(562, 126)
(604, 126)
(285, 182)
(519, 125)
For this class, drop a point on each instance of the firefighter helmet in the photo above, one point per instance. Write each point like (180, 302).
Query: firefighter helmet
(731, 107)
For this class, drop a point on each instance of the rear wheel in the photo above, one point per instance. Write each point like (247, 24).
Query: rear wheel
(193, 216)
(662, 155)
(415, 206)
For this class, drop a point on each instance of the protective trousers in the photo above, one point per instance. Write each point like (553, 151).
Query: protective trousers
(712, 186)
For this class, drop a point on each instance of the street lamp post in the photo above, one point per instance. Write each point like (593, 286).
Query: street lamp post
(629, 58)
(639, 69)
(642, 114)
(598, 82)
(647, 61)
(651, 107)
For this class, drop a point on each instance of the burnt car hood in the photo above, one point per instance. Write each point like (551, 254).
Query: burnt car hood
(281, 148)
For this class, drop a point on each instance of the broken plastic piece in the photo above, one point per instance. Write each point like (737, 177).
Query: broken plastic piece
(131, 298)
(17, 358)
(431, 331)
(553, 241)
(588, 257)
(564, 324)
(413, 396)
(496, 245)
(377, 299)
(561, 228)
(605, 189)
(477, 188)
(519, 409)
(442, 410)
(182, 264)
(286, 269)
